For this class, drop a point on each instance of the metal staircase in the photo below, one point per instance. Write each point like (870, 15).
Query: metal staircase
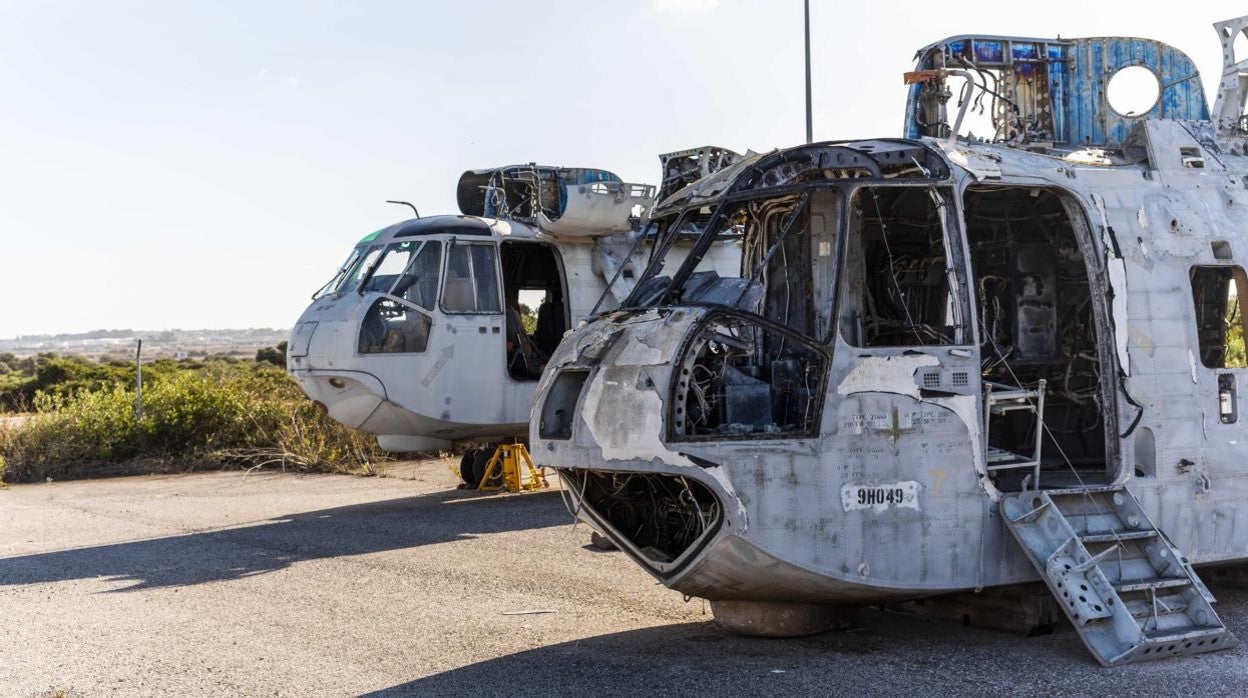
(1128, 591)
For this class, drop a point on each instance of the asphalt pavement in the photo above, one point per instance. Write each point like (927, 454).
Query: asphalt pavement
(298, 585)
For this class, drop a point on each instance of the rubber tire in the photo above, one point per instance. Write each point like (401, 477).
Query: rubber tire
(469, 471)
(483, 462)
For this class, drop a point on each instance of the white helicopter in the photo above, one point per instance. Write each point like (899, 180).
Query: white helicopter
(419, 336)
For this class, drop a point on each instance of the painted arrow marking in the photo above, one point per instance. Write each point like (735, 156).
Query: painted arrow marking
(447, 353)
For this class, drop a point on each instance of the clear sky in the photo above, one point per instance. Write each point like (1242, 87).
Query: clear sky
(208, 164)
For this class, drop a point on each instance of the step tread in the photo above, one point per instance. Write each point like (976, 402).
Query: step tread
(1090, 489)
(1150, 583)
(1168, 605)
(1113, 536)
(1145, 615)
(1185, 632)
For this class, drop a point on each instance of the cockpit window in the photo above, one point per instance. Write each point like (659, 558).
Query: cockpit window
(340, 275)
(419, 283)
(359, 270)
(390, 327)
(387, 270)
(471, 284)
(896, 284)
(753, 255)
(408, 273)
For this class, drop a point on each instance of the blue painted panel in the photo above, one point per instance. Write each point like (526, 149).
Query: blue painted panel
(911, 128)
(1079, 71)
(988, 52)
(1057, 89)
(1025, 52)
(1093, 121)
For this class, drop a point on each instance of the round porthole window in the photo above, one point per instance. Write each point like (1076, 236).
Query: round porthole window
(1133, 91)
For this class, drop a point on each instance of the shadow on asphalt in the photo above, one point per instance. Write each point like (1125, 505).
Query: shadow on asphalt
(880, 656)
(884, 654)
(219, 555)
(678, 659)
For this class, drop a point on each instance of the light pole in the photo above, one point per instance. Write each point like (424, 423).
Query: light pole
(809, 124)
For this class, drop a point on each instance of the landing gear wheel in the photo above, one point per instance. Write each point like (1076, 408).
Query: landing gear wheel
(472, 466)
(466, 462)
(483, 462)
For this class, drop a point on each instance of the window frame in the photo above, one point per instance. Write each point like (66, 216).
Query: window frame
(410, 307)
(386, 250)
(437, 293)
(452, 243)
(956, 267)
(365, 272)
(1239, 281)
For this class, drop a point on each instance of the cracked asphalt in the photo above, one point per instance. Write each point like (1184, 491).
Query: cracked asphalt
(299, 585)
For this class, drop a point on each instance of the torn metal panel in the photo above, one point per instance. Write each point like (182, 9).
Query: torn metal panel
(628, 426)
(685, 167)
(886, 374)
(981, 164)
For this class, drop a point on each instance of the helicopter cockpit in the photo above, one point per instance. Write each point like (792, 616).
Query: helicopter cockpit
(436, 330)
(406, 274)
(399, 309)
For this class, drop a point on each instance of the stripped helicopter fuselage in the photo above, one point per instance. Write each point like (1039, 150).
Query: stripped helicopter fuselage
(945, 364)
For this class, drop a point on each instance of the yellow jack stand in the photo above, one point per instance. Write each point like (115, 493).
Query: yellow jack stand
(515, 463)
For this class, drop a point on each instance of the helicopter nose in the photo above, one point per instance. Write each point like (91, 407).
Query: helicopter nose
(348, 397)
(320, 357)
(300, 341)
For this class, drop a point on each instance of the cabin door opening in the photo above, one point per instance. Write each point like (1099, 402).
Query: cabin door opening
(535, 306)
(1038, 320)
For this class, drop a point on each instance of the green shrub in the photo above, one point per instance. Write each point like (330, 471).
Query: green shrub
(197, 414)
(274, 355)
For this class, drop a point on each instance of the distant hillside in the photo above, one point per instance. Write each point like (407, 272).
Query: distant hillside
(156, 343)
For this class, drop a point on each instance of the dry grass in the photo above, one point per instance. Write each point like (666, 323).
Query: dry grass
(250, 417)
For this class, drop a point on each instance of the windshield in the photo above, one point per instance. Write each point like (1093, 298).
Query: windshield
(757, 255)
(340, 275)
(359, 270)
(389, 267)
(399, 322)
(721, 259)
(419, 283)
